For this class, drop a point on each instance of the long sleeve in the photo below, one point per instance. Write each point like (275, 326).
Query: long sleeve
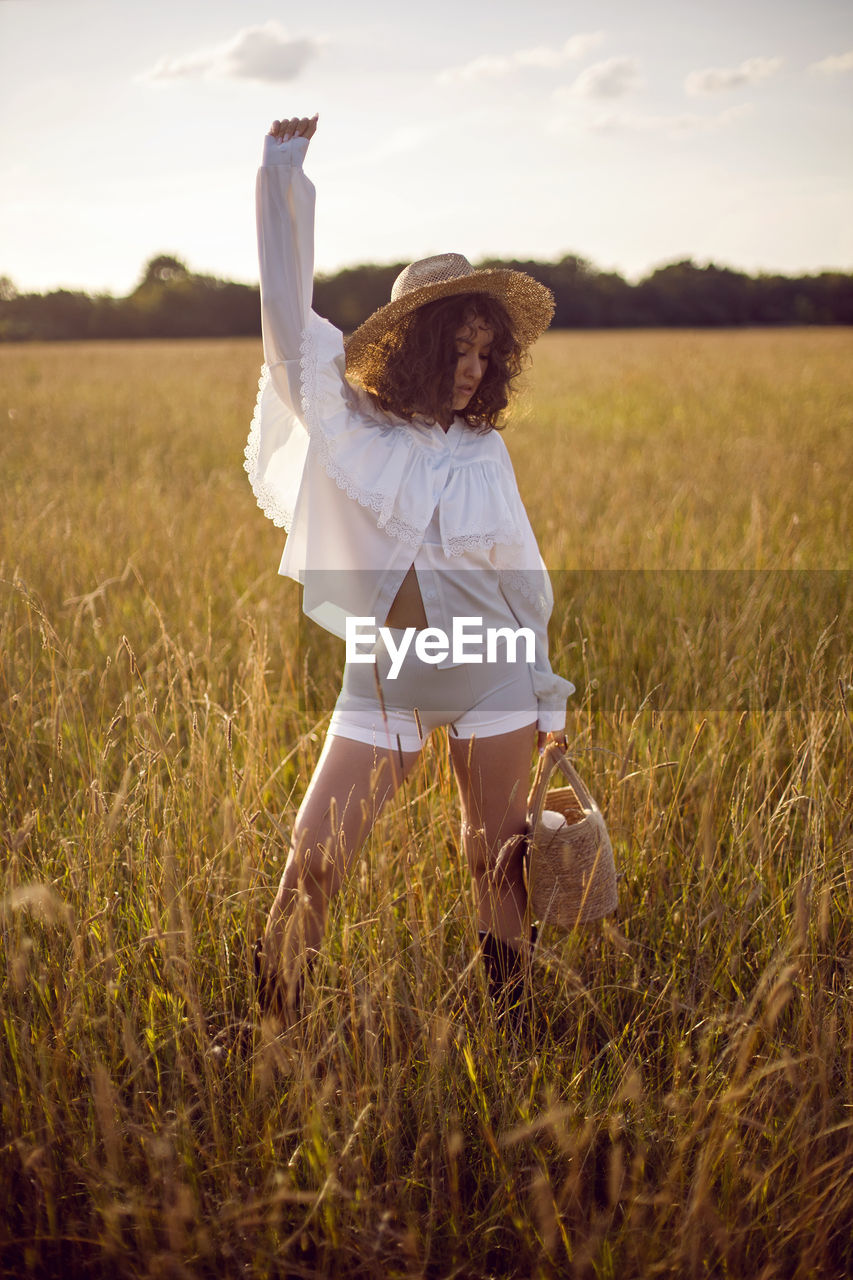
(303, 392)
(285, 218)
(526, 588)
(529, 596)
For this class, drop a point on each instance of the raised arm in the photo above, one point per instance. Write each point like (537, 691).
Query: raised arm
(285, 216)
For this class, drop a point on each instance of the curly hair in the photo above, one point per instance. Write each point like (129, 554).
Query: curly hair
(414, 365)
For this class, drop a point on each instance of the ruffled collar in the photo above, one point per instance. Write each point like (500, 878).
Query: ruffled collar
(403, 472)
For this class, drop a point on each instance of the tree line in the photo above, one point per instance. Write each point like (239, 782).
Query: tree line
(170, 301)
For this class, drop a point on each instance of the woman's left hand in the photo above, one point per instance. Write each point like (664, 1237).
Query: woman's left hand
(544, 738)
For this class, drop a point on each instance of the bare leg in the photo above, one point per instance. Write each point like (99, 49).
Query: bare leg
(492, 775)
(349, 787)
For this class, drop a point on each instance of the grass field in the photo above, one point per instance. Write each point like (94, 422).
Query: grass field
(682, 1106)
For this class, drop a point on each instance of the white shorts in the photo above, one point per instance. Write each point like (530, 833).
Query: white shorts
(473, 699)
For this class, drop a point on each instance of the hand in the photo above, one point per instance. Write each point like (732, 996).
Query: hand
(282, 130)
(558, 737)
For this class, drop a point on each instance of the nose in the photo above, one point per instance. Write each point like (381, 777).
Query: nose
(469, 366)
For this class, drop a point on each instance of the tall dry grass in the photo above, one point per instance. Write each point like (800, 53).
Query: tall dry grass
(682, 1105)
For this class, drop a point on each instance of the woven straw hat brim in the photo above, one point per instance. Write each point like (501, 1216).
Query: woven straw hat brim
(529, 304)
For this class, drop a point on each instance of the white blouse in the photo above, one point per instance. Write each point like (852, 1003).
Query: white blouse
(357, 488)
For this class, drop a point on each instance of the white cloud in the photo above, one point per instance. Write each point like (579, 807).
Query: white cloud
(680, 125)
(718, 79)
(255, 53)
(834, 65)
(494, 66)
(609, 79)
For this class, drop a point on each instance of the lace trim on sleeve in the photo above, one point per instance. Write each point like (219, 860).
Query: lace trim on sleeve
(517, 581)
(265, 495)
(458, 546)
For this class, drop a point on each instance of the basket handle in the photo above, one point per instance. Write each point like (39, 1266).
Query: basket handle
(555, 757)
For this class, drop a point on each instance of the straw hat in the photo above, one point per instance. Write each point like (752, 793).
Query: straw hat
(528, 303)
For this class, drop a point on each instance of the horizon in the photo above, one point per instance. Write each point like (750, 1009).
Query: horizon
(384, 266)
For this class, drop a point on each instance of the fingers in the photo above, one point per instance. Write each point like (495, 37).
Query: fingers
(559, 738)
(282, 130)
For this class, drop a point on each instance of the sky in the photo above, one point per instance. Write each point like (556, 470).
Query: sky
(632, 134)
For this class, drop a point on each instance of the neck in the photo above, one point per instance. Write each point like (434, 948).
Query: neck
(444, 420)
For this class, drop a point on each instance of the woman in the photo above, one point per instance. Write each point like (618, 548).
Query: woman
(402, 512)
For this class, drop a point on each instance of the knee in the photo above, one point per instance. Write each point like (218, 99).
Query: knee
(311, 867)
(475, 850)
(491, 858)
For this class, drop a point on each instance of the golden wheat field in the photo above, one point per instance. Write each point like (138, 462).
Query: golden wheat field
(682, 1104)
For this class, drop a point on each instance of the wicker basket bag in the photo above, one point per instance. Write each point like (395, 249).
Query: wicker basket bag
(571, 872)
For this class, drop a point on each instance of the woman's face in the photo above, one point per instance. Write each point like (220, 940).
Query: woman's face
(473, 344)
